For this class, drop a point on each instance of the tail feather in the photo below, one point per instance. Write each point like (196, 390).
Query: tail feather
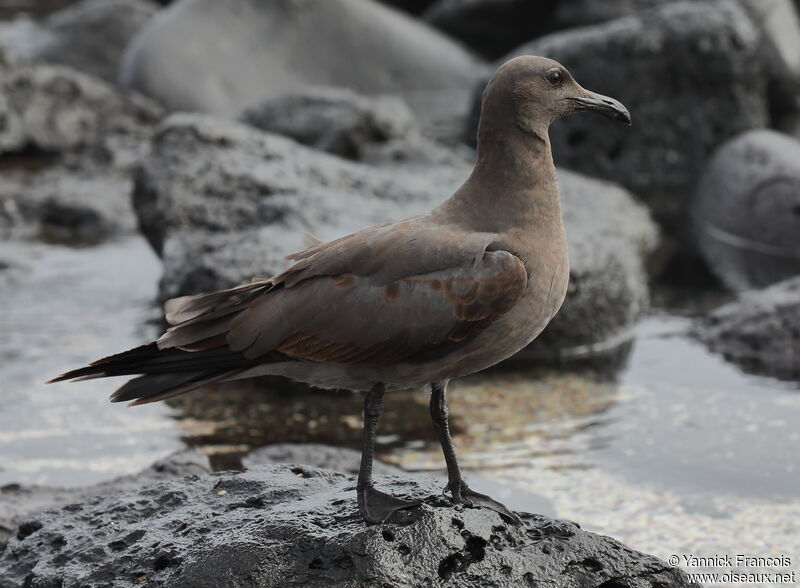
(192, 353)
(149, 359)
(164, 372)
(153, 388)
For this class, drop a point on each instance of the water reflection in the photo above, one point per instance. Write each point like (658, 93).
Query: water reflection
(497, 419)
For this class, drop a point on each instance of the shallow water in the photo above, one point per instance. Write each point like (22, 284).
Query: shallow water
(683, 453)
(63, 307)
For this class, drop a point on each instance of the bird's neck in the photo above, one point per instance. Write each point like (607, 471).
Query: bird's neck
(513, 184)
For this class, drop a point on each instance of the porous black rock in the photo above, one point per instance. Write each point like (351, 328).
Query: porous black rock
(20, 503)
(221, 203)
(760, 332)
(292, 523)
(328, 457)
(746, 210)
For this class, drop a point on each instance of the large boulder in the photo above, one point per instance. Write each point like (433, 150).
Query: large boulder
(222, 203)
(492, 27)
(747, 210)
(576, 13)
(274, 524)
(90, 35)
(692, 77)
(759, 332)
(268, 48)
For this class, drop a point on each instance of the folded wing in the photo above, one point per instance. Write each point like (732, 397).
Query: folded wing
(354, 320)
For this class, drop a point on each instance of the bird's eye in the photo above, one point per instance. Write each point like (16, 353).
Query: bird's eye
(554, 77)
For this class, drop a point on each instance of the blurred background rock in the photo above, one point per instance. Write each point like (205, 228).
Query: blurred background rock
(219, 132)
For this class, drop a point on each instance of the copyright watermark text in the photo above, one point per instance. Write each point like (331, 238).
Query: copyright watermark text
(736, 568)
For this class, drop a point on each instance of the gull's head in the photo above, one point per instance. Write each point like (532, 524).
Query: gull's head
(536, 91)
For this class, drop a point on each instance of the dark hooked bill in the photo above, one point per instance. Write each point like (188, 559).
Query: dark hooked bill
(604, 105)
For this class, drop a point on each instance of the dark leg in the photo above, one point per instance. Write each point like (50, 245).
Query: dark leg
(461, 493)
(376, 506)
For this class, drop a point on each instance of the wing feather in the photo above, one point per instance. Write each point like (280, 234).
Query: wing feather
(354, 321)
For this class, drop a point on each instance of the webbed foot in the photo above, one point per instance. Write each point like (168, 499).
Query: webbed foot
(463, 494)
(378, 507)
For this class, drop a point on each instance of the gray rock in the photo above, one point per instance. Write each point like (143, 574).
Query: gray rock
(576, 13)
(270, 48)
(690, 73)
(19, 503)
(335, 120)
(53, 108)
(68, 142)
(90, 35)
(492, 27)
(222, 203)
(760, 332)
(780, 26)
(747, 210)
(82, 204)
(337, 459)
(609, 239)
(237, 201)
(346, 460)
(274, 524)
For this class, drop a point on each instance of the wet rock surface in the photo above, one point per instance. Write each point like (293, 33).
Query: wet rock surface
(760, 332)
(747, 210)
(334, 120)
(693, 78)
(19, 503)
(328, 457)
(270, 48)
(185, 191)
(89, 36)
(260, 527)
